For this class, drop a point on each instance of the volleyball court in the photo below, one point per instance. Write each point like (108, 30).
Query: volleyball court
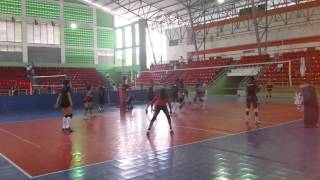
(116, 135)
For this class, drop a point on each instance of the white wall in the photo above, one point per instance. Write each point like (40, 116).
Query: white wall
(297, 26)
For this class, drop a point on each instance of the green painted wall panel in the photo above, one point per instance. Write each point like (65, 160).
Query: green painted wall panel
(78, 37)
(79, 56)
(104, 19)
(78, 14)
(43, 9)
(106, 38)
(10, 7)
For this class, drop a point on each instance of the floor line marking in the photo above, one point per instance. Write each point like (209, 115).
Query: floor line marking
(177, 146)
(16, 166)
(20, 138)
(205, 130)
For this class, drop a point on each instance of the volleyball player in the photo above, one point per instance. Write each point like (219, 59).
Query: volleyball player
(199, 92)
(65, 101)
(88, 101)
(150, 96)
(161, 101)
(102, 98)
(174, 97)
(269, 88)
(252, 100)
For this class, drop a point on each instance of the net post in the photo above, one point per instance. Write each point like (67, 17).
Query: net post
(30, 89)
(289, 74)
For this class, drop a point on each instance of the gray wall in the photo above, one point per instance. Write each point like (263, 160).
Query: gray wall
(10, 56)
(105, 59)
(44, 55)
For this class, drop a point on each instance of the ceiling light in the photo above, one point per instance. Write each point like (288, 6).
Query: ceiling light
(73, 26)
(220, 1)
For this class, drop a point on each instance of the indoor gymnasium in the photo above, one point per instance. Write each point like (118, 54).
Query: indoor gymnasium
(159, 89)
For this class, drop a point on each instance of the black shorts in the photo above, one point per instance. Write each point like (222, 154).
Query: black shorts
(181, 99)
(65, 104)
(163, 108)
(174, 98)
(252, 100)
(102, 101)
(150, 97)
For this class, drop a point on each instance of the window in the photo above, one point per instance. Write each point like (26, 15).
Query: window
(128, 36)
(137, 56)
(10, 48)
(128, 57)
(137, 34)
(43, 34)
(119, 38)
(119, 58)
(10, 31)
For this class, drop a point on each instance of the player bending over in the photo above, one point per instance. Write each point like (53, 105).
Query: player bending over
(160, 103)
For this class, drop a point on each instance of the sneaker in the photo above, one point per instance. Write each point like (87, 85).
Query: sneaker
(257, 121)
(171, 131)
(148, 132)
(69, 130)
(246, 119)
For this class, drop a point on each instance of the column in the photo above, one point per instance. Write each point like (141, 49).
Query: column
(143, 46)
(24, 32)
(62, 45)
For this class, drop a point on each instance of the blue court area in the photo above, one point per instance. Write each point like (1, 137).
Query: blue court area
(286, 151)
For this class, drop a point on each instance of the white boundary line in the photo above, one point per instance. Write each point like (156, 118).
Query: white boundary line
(210, 139)
(19, 138)
(16, 166)
(205, 130)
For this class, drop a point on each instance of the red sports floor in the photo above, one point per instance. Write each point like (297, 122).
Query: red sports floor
(39, 147)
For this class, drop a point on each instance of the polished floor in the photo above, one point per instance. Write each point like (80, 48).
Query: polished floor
(210, 143)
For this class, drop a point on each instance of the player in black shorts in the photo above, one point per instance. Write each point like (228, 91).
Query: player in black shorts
(174, 97)
(269, 88)
(150, 96)
(65, 101)
(252, 100)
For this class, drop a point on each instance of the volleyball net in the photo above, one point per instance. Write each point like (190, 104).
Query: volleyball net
(284, 72)
(49, 82)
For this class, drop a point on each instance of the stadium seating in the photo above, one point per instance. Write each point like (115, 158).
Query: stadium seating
(254, 59)
(164, 74)
(279, 74)
(80, 77)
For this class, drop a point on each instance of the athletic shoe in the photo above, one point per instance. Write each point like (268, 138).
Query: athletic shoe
(246, 119)
(148, 132)
(171, 131)
(257, 121)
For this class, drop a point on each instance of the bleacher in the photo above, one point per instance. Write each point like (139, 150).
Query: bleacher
(11, 75)
(278, 74)
(80, 77)
(164, 74)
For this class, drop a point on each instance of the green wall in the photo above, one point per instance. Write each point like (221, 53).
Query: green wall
(74, 11)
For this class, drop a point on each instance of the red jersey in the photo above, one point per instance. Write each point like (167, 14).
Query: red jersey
(160, 102)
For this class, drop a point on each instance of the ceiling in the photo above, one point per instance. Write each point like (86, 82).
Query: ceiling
(169, 13)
